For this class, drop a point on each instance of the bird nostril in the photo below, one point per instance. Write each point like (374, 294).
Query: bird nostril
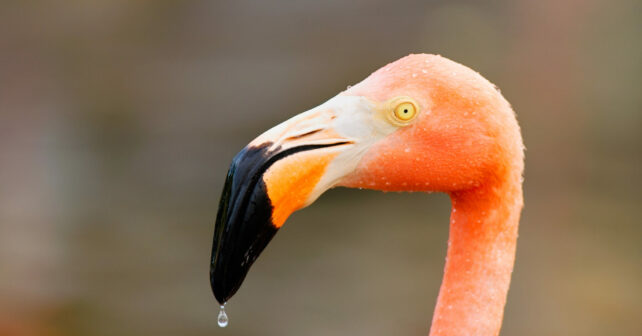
(299, 136)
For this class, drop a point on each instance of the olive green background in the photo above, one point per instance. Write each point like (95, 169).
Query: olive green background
(118, 120)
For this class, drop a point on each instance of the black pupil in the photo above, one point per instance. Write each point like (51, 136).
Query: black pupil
(405, 111)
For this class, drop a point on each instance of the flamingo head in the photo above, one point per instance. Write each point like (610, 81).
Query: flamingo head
(422, 123)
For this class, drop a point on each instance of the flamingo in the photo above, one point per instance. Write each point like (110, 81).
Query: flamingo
(422, 123)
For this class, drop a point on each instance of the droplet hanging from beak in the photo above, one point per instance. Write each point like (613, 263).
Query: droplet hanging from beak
(222, 317)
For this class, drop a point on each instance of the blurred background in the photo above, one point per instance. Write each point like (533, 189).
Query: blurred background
(118, 120)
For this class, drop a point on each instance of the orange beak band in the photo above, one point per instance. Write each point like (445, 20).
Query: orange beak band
(264, 186)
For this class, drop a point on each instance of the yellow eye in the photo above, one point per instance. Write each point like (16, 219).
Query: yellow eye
(405, 111)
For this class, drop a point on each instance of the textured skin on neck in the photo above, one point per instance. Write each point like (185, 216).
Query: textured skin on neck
(479, 263)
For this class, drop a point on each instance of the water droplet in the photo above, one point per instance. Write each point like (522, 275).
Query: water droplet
(407, 150)
(222, 317)
(424, 71)
(414, 75)
(348, 87)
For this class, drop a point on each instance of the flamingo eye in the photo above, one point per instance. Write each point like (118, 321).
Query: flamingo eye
(405, 111)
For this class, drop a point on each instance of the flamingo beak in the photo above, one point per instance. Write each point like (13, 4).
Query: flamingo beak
(281, 171)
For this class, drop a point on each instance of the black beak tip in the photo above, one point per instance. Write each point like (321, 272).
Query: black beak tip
(221, 293)
(243, 223)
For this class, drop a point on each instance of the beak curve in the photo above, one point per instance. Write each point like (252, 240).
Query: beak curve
(272, 177)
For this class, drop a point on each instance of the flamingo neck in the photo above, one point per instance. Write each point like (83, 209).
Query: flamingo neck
(479, 263)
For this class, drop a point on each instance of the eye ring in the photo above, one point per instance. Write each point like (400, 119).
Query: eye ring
(402, 110)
